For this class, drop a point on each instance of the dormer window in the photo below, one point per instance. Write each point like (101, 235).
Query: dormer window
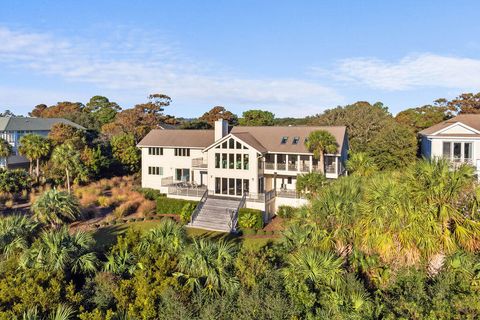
(284, 140)
(295, 140)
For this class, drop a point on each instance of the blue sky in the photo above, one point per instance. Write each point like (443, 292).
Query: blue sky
(294, 58)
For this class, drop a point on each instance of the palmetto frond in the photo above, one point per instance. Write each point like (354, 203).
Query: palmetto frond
(57, 250)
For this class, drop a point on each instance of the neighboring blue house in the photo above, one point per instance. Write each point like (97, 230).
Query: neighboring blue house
(13, 128)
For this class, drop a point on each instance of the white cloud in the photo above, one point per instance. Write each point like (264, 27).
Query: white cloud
(412, 72)
(139, 63)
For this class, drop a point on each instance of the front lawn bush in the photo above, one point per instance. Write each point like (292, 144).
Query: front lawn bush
(250, 218)
(171, 206)
(150, 194)
(186, 212)
(249, 232)
(285, 212)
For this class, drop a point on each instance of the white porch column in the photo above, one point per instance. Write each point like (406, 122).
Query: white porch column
(298, 163)
(275, 161)
(286, 162)
(311, 163)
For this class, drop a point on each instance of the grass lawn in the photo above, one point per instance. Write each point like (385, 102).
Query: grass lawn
(107, 236)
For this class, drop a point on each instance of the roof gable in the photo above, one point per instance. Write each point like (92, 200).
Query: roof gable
(244, 138)
(464, 124)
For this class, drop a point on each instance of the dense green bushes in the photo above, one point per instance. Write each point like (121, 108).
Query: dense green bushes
(187, 211)
(150, 194)
(285, 212)
(172, 206)
(250, 218)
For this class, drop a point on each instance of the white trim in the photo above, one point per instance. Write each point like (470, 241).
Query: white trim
(230, 135)
(455, 124)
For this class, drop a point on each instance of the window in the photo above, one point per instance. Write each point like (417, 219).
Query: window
(182, 152)
(457, 151)
(467, 151)
(295, 140)
(217, 160)
(289, 180)
(225, 145)
(239, 145)
(158, 171)
(245, 161)
(238, 161)
(224, 161)
(182, 174)
(446, 150)
(231, 161)
(231, 144)
(284, 140)
(155, 151)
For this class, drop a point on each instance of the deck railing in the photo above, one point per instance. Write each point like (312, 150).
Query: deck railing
(199, 206)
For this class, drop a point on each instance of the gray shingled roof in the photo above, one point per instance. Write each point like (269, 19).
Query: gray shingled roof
(178, 138)
(32, 124)
(270, 137)
(264, 139)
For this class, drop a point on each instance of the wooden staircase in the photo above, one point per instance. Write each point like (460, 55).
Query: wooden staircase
(215, 214)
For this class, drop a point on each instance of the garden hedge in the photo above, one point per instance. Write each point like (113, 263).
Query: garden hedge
(285, 211)
(250, 218)
(172, 206)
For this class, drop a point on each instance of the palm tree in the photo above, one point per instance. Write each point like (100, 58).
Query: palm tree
(16, 233)
(63, 312)
(122, 262)
(67, 158)
(5, 149)
(361, 164)
(320, 142)
(58, 250)
(55, 208)
(34, 147)
(312, 272)
(169, 237)
(208, 265)
(310, 183)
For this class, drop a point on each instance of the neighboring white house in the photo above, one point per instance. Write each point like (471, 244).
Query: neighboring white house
(456, 139)
(261, 162)
(14, 128)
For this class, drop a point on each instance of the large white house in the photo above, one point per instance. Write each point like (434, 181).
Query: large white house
(12, 129)
(259, 164)
(456, 139)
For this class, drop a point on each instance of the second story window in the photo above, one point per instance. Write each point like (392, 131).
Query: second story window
(284, 140)
(155, 151)
(182, 152)
(295, 140)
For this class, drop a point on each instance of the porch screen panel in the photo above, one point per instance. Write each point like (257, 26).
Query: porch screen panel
(457, 150)
(467, 151)
(446, 150)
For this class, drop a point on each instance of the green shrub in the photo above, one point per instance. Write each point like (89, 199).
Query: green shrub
(186, 212)
(285, 212)
(260, 232)
(250, 218)
(249, 232)
(171, 206)
(131, 220)
(150, 218)
(113, 222)
(150, 194)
